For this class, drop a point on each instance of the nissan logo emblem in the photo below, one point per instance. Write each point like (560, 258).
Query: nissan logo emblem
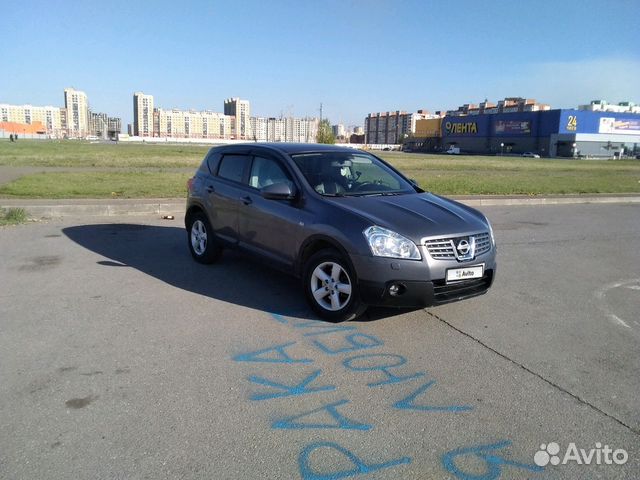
(463, 247)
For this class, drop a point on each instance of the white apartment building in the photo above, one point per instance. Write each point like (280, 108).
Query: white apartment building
(191, 124)
(603, 106)
(77, 106)
(49, 117)
(241, 110)
(143, 115)
(259, 128)
(298, 130)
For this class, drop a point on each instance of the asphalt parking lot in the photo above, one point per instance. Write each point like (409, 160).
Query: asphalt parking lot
(122, 358)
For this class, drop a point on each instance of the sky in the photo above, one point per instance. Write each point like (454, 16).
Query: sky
(286, 57)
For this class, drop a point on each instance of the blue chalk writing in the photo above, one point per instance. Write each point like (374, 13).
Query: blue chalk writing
(399, 360)
(279, 318)
(360, 467)
(341, 421)
(325, 328)
(301, 388)
(407, 403)
(280, 357)
(357, 341)
(493, 462)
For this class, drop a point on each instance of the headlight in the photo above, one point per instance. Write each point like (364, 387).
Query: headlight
(493, 240)
(386, 243)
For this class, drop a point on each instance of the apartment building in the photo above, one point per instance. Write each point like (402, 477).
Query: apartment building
(143, 115)
(507, 105)
(192, 124)
(604, 106)
(103, 126)
(77, 106)
(259, 128)
(391, 127)
(241, 110)
(22, 118)
(288, 129)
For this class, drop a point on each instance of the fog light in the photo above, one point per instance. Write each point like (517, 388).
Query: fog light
(396, 289)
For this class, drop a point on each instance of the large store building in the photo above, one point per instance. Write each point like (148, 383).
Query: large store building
(551, 133)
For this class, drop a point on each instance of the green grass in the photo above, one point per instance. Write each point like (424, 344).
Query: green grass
(473, 175)
(12, 216)
(73, 153)
(98, 185)
(444, 174)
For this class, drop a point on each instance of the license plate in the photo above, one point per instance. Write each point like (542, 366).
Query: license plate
(466, 273)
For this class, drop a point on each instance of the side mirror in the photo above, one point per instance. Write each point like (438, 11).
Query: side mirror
(278, 191)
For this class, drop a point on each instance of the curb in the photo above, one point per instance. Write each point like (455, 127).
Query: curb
(96, 208)
(108, 207)
(555, 200)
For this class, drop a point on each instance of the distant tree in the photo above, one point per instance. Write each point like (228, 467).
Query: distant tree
(325, 133)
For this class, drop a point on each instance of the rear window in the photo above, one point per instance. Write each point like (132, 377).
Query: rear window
(232, 167)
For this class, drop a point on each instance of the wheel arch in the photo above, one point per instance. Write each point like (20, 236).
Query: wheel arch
(191, 210)
(314, 244)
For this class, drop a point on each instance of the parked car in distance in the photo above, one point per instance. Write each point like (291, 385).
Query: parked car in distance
(352, 227)
(530, 155)
(453, 150)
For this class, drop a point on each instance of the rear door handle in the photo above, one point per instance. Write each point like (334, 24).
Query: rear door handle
(210, 189)
(247, 200)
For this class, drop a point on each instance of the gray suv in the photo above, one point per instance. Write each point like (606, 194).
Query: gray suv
(353, 228)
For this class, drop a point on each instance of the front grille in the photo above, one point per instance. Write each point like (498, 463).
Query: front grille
(483, 243)
(440, 248)
(444, 248)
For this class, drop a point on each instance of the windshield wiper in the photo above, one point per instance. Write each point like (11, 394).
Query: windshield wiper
(376, 194)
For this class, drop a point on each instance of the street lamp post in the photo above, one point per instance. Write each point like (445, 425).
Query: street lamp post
(573, 150)
(501, 149)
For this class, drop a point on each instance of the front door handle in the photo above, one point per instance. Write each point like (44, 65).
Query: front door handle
(247, 200)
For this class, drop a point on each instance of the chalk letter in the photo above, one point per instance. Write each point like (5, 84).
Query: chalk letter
(366, 341)
(494, 463)
(407, 403)
(341, 421)
(307, 473)
(392, 361)
(280, 357)
(288, 390)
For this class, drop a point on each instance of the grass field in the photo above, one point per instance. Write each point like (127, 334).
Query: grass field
(135, 171)
(12, 216)
(98, 185)
(71, 153)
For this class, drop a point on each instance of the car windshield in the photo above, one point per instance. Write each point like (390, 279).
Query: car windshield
(339, 174)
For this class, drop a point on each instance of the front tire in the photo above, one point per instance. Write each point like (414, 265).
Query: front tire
(202, 243)
(331, 288)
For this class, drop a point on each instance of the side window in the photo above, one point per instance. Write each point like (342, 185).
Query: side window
(213, 159)
(265, 172)
(232, 167)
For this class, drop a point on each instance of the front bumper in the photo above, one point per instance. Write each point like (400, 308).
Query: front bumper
(422, 294)
(420, 283)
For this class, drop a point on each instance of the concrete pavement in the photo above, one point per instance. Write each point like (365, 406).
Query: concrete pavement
(122, 358)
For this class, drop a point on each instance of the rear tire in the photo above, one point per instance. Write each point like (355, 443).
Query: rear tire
(331, 288)
(202, 244)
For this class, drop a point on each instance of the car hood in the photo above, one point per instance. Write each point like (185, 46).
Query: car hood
(416, 215)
